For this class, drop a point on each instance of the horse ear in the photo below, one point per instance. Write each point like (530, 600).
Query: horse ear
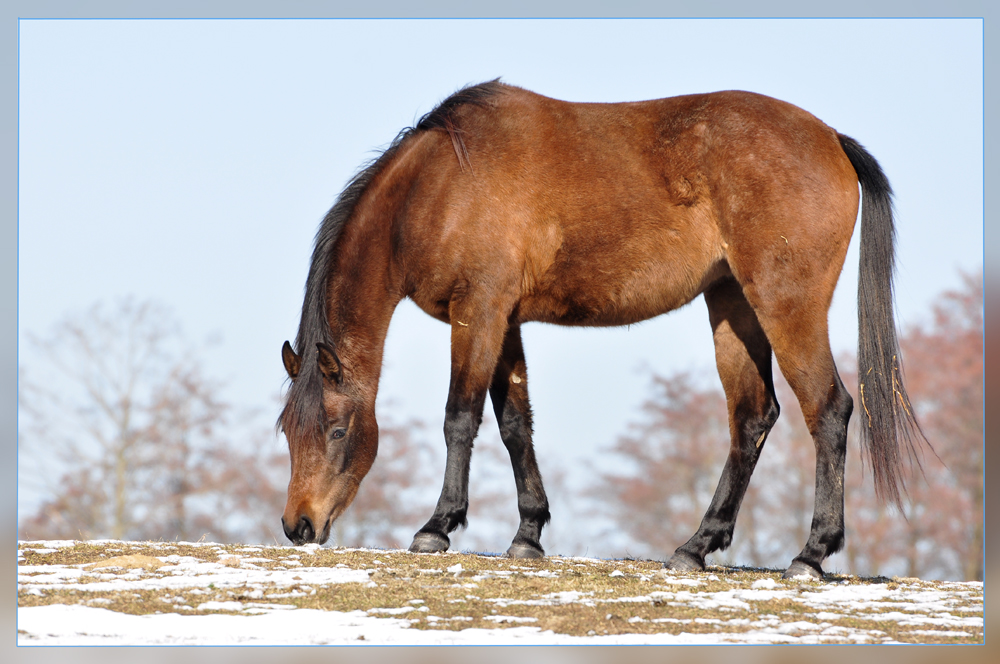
(329, 363)
(292, 361)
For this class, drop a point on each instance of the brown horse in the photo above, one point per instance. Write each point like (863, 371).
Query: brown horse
(502, 207)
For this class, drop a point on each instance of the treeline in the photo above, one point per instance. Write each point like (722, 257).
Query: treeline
(123, 436)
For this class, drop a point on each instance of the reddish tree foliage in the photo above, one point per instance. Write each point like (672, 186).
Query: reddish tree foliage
(674, 456)
(940, 533)
(132, 441)
(945, 367)
(671, 463)
(674, 459)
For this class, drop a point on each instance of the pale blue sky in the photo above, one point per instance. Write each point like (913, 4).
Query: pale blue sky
(191, 161)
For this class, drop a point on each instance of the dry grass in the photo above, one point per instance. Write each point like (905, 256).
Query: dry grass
(460, 590)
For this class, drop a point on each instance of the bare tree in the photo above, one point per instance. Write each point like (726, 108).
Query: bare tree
(123, 436)
(676, 456)
(120, 428)
(946, 368)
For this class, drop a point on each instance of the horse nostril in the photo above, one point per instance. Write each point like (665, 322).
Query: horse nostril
(302, 533)
(306, 531)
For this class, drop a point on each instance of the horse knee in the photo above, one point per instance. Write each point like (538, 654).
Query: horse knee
(757, 425)
(460, 427)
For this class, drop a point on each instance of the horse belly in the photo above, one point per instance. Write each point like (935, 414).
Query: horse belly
(629, 280)
(641, 297)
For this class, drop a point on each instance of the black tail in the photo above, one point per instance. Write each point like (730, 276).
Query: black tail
(887, 420)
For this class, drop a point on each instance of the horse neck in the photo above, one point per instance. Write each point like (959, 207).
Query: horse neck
(365, 284)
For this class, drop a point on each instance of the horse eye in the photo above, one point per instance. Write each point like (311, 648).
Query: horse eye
(338, 433)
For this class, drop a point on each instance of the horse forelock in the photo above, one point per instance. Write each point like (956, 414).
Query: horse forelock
(303, 416)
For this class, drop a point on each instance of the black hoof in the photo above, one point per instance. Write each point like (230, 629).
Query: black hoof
(684, 562)
(799, 568)
(524, 551)
(429, 543)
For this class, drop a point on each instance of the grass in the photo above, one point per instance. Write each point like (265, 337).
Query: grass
(454, 591)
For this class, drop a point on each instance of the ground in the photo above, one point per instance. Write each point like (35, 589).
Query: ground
(144, 593)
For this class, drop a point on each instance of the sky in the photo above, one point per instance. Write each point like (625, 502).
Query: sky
(190, 162)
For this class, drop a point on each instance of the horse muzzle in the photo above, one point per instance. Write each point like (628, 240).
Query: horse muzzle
(304, 531)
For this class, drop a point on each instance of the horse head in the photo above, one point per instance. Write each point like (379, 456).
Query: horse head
(332, 440)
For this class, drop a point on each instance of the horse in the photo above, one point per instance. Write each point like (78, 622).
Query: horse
(502, 206)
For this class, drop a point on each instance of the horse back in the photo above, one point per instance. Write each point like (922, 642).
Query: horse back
(606, 214)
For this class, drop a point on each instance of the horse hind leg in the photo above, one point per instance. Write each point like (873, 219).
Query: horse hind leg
(802, 346)
(743, 357)
(509, 393)
(828, 406)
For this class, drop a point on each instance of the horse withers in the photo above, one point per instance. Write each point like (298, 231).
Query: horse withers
(502, 206)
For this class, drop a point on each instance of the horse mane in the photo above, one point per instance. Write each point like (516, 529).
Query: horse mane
(304, 405)
(443, 116)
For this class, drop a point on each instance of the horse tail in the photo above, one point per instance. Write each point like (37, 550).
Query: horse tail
(887, 421)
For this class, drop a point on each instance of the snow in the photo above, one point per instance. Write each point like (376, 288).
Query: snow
(80, 625)
(185, 573)
(254, 617)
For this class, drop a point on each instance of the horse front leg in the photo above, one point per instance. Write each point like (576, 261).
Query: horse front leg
(509, 393)
(462, 420)
(478, 327)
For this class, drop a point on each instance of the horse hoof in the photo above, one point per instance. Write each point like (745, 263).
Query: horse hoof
(684, 562)
(799, 569)
(429, 543)
(524, 551)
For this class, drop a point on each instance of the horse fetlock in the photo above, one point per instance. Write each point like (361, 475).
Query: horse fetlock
(457, 519)
(534, 513)
(722, 541)
(529, 532)
(833, 541)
